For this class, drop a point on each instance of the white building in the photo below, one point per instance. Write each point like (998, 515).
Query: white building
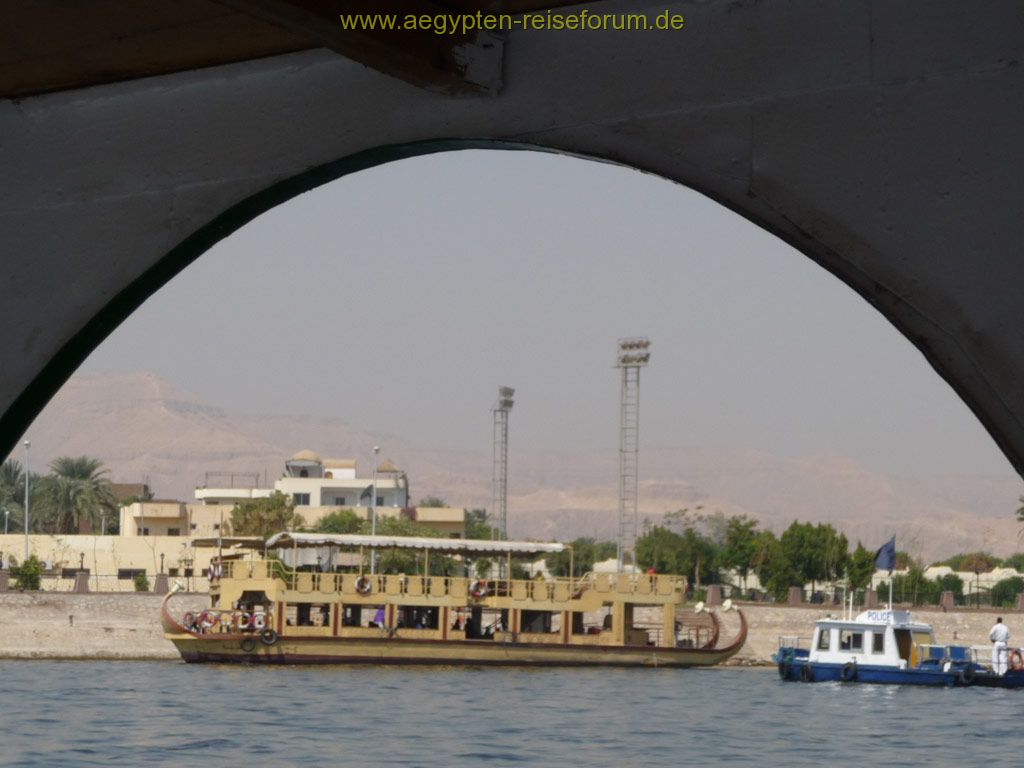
(322, 483)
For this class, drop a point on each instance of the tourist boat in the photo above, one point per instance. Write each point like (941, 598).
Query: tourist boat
(263, 610)
(887, 646)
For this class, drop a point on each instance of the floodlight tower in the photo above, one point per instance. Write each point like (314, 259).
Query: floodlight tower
(499, 460)
(633, 355)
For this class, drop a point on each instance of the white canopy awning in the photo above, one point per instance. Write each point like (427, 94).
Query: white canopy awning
(451, 546)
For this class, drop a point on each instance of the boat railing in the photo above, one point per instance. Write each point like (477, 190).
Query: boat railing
(557, 590)
(928, 652)
(797, 642)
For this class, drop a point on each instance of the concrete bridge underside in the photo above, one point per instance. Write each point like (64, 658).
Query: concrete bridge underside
(881, 138)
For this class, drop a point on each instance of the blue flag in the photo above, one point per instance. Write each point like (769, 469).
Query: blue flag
(885, 557)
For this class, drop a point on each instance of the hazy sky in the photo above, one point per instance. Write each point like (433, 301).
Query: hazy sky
(401, 297)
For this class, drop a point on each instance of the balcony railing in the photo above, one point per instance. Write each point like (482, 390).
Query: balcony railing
(399, 585)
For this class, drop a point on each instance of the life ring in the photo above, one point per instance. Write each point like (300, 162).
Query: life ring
(268, 637)
(478, 589)
(364, 585)
(244, 621)
(806, 674)
(967, 675)
(1016, 660)
(784, 670)
(208, 620)
(188, 619)
(259, 622)
(248, 645)
(849, 672)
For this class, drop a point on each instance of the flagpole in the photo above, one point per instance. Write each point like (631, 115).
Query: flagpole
(890, 590)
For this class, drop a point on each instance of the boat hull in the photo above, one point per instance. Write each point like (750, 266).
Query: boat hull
(816, 672)
(303, 650)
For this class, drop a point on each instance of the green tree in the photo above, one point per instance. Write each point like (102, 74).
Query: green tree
(477, 525)
(739, 545)
(12, 492)
(28, 575)
(1015, 560)
(342, 521)
(774, 570)
(432, 501)
(141, 582)
(264, 517)
(408, 560)
(585, 552)
(861, 567)
(950, 582)
(75, 497)
(816, 553)
(1005, 591)
(688, 554)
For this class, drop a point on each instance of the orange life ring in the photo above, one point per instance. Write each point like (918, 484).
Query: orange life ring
(1016, 660)
(364, 585)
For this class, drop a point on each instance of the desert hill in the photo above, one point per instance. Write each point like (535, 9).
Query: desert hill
(145, 429)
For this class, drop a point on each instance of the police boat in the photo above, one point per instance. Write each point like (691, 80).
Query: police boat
(887, 646)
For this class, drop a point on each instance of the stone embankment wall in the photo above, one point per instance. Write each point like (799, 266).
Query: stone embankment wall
(54, 625)
(51, 625)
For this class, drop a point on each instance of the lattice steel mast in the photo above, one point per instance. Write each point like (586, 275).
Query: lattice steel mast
(499, 464)
(633, 356)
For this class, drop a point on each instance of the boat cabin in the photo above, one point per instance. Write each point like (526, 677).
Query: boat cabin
(874, 638)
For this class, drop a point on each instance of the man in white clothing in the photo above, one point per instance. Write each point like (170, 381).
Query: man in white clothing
(999, 636)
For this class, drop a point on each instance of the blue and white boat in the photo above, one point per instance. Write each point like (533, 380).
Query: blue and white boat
(887, 646)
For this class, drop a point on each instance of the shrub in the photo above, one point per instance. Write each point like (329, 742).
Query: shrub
(28, 575)
(141, 583)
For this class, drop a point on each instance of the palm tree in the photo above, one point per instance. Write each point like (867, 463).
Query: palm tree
(12, 488)
(78, 492)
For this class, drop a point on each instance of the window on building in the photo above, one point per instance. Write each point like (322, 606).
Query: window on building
(142, 531)
(70, 573)
(189, 572)
(823, 639)
(174, 531)
(878, 642)
(172, 572)
(300, 499)
(380, 501)
(216, 526)
(129, 574)
(303, 473)
(193, 526)
(339, 501)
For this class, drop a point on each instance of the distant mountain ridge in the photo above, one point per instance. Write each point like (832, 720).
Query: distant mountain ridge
(143, 428)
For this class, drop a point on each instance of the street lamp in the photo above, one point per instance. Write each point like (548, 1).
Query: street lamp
(27, 446)
(373, 511)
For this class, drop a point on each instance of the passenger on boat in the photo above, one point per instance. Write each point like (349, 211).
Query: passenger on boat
(999, 635)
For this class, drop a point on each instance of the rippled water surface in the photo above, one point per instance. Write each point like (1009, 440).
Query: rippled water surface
(108, 714)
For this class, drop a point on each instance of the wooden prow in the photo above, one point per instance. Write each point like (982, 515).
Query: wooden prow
(167, 621)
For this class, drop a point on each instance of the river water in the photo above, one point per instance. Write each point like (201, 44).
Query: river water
(167, 713)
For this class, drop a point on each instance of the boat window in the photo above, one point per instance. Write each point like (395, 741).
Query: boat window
(878, 642)
(418, 617)
(542, 621)
(824, 636)
(308, 615)
(851, 641)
